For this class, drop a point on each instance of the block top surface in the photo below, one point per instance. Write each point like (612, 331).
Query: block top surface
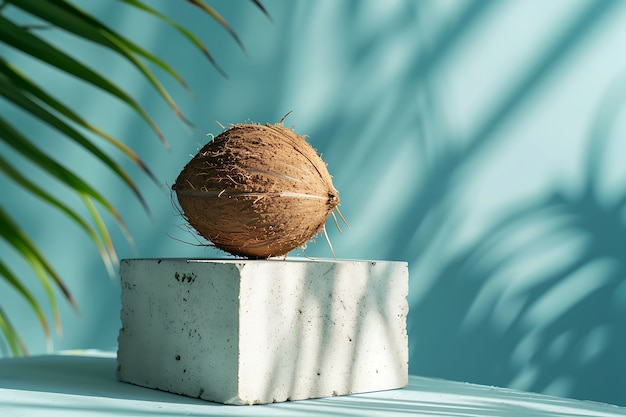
(259, 261)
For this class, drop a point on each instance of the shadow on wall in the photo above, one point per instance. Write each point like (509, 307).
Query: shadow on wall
(538, 301)
(520, 314)
(540, 311)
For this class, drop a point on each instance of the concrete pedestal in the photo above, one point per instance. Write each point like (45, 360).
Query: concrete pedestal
(262, 331)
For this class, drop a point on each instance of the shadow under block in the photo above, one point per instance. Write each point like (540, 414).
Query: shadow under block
(262, 331)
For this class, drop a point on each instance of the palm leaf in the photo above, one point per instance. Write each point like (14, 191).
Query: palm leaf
(22, 39)
(67, 17)
(15, 237)
(23, 93)
(28, 87)
(16, 284)
(258, 4)
(16, 345)
(16, 96)
(102, 229)
(17, 141)
(190, 36)
(92, 29)
(215, 15)
(106, 250)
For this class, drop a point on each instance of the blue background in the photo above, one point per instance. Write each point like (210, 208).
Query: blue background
(481, 141)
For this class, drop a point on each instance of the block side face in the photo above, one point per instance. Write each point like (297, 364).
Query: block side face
(180, 327)
(321, 329)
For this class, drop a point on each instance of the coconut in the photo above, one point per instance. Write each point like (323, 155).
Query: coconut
(257, 191)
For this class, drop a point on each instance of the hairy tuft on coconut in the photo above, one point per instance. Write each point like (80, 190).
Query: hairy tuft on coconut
(257, 191)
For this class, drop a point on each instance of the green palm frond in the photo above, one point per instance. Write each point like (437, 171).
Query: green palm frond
(190, 36)
(34, 92)
(16, 345)
(29, 97)
(215, 15)
(29, 43)
(17, 239)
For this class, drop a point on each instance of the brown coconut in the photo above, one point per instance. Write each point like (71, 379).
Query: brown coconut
(257, 191)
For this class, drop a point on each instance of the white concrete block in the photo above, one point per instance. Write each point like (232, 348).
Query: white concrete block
(262, 331)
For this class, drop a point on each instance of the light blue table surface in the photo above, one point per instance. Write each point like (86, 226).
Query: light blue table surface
(83, 383)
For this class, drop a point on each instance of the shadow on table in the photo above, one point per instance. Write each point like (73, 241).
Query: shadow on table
(78, 375)
(447, 398)
(95, 377)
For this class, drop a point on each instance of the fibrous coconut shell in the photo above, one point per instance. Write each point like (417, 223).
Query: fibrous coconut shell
(257, 191)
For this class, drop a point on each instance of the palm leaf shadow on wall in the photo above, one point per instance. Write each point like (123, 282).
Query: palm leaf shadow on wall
(443, 340)
(454, 334)
(579, 299)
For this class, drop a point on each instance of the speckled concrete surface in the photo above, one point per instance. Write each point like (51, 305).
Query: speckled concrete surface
(263, 331)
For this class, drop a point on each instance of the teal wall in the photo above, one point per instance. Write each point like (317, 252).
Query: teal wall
(481, 141)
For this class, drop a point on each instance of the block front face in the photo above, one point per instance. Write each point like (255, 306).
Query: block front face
(179, 327)
(317, 329)
(253, 332)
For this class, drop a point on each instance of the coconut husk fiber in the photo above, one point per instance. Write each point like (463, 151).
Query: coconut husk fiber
(257, 191)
